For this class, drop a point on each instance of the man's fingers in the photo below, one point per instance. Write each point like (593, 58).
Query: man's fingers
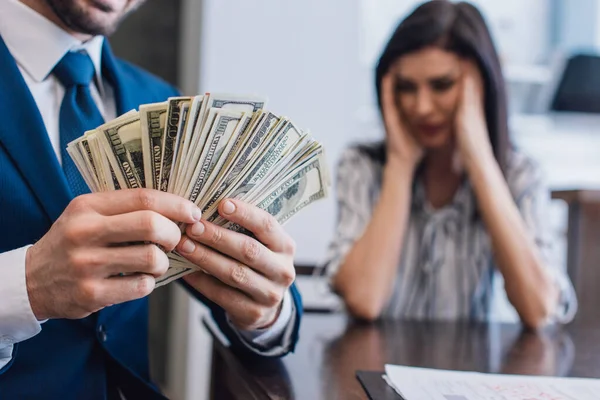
(262, 224)
(108, 276)
(236, 245)
(231, 272)
(141, 226)
(118, 202)
(242, 310)
(120, 289)
(92, 294)
(107, 262)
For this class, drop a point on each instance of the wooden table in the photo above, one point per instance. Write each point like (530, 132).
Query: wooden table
(583, 249)
(332, 348)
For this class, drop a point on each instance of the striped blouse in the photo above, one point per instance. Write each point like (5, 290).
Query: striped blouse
(447, 270)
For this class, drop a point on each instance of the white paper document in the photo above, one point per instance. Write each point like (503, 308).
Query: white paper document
(432, 384)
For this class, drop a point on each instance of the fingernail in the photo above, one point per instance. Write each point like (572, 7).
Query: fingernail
(196, 214)
(228, 207)
(198, 229)
(187, 247)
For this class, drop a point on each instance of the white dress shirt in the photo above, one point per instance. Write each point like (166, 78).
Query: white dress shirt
(37, 49)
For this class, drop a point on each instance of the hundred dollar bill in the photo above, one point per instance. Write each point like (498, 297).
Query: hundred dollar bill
(266, 124)
(99, 153)
(152, 120)
(304, 186)
(171, 138)
(304, 149)
(218, 161)
(78, 159)
(290, 135)
(181, 127)
(211, 102)
(283, 141)
(90, 152)
(301, 187)
(106, 176)
(195, 154)
(84, 148)
(232, 153)
(196, 108)
(91, 158)
(122, 142)
(232, 102)
(204, 121)
(223, 128)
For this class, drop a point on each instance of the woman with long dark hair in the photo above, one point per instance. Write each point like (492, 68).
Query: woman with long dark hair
(445, 219)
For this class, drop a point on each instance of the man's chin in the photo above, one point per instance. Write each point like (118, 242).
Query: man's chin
(94, 27)
(92, 17)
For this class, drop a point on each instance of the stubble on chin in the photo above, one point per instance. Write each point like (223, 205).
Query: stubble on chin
(81, 19)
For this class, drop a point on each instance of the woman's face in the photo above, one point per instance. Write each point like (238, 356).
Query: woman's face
(427, 93)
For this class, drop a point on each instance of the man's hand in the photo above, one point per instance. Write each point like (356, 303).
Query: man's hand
(247, 277)
(75, 269)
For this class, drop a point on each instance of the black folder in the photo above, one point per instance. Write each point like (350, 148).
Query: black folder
(375, 387)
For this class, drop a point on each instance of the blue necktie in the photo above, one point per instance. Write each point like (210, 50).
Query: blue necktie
(78, 111)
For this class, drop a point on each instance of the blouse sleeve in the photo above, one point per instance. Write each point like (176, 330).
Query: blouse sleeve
(532, 197)
(356, 187)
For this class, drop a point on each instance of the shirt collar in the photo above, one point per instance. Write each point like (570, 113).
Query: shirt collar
(38, 50)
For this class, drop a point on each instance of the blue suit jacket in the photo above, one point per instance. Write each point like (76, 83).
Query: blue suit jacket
(69, 358)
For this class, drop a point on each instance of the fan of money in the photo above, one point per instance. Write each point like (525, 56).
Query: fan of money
(206, 148)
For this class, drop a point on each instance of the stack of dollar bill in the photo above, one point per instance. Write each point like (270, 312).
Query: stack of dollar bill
(206, 148)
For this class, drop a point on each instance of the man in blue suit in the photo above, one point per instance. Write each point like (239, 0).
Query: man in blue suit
(71, 325)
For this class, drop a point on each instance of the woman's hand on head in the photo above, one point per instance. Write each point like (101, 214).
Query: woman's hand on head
(472, 136)
(402, 147)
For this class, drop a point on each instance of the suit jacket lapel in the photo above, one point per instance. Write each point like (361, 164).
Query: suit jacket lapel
(24, 136)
